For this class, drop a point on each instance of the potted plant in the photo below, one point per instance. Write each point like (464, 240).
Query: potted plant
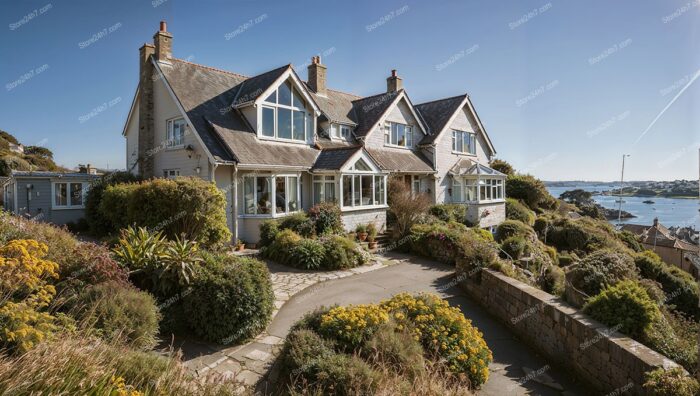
(372, 235)
(240, 245)
(361, 231)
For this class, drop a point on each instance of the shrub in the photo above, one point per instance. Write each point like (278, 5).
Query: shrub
(630, 240)
(396, 349)
(679, 286)
(119, 312)
(600, 270)
(515, 210)
(268, 232)
(531, 191)
(515, 247)
(327, 218)
(299, 223)
(74, 365)
(25, 293)
(671, 382)
(407, 207)
(371, 232)
(449, 212)
(342, 253)
(485, 235)
(444, 332)
(308, 254)
(281, 248)
(186, 206)
(502, 166)
(676, 338)
(626, 306)
(352, 326)
(90, 264)
(98, 223)
(511, 228)
(230, 299)
(554, 281)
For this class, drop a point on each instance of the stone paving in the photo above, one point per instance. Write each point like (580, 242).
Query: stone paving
(248, 363)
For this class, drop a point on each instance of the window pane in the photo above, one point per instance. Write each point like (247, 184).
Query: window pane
(401, 135)
(330, 192)
(298, 101)
(409, 136)
(454, 141)
(262, 192)
(361, 165)
(334, 130)
(356, 189)
(367, 189)
(318, 193)
(456, 191)
(382, 186)
(76, 194)
(292, 186)
(61, 198)
(280, 195)
(347, 190)
(284, 123)
(472, 146)
(272, 98)
(310, 125)
(345, 131)
(299, 125)
(249, 195)
(459, 142)
(268, 122)
(285, 94)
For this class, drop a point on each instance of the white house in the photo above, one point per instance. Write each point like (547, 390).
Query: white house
(276, 144)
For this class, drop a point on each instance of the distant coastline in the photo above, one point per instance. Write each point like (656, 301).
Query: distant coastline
(680, 189)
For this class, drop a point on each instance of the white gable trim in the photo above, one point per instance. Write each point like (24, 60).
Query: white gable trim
(481, 126)
(289, 73)
(131, 109)
(184, 113)
(382, 118)
(466, 102)
(361, 154)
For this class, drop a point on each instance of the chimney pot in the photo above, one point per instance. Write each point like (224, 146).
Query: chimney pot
(163, 26)
(393, 72)
(163, 42)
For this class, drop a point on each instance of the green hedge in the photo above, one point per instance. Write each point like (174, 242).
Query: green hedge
(186, 206)
(99, 223)
(326, 253)
(600, 270)
(449, 212)
(626, 306)
(680, 287)
(230, 299)
(531, 191)
(515, 210)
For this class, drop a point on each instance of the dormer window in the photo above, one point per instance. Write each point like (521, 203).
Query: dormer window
(399, 135)
(284, 115)
(340, 131)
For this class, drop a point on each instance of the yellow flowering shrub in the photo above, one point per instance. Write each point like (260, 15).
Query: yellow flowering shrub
(24, 292)
(444, 332)
(352, 325)
(120, 388)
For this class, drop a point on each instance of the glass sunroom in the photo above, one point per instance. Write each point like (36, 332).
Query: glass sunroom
(360, 184)
(474, 183)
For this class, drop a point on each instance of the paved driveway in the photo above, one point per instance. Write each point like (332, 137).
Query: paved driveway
(413, 275)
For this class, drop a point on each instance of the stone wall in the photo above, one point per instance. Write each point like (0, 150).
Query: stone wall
(602, 357)
(352, 218)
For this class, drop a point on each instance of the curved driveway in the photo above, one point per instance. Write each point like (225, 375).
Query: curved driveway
(415, 275)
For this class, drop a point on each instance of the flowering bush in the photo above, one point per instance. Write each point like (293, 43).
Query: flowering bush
(352, 325)
(672, 382)
(444, 332)
(24, 293)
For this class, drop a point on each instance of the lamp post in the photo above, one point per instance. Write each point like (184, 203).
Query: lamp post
(622, 180)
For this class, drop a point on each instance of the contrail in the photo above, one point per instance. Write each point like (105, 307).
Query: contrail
(692, 80)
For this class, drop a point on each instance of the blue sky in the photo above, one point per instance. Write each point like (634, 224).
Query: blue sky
(564, 88)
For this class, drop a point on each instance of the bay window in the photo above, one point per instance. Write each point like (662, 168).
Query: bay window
(270, 195)
(396, 134)
(463, 142)
(284, 115)
(362, 187)
(475, 190)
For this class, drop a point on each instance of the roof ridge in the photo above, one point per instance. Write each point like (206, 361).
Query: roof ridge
(356, 146)
(440, 100)
(379, 94)
(210, 68)
(345, 93)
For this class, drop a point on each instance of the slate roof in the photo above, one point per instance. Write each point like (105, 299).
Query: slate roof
(46, 174)
(466, 167)
(335, 158)
(658, 235)
(405, 161)
(250, 89)
(437, 113)
(336, 106)
(367, 111)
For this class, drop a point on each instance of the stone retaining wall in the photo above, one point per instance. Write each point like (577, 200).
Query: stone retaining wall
(604, 358)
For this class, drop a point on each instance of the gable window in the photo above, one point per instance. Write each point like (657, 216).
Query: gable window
(171, 173)
(463, 142)
(69, 195)
(284, 115)
(400, 135)
(324, 189)
(270, 195)
(176, 132)
(361, 186)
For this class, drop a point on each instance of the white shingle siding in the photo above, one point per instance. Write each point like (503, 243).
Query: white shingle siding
(132, 141)
(400, 113)
(165, 109)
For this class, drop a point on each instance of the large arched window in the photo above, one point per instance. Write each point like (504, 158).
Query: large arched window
(285, 115)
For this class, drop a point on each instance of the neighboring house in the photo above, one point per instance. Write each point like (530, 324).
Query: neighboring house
(276, 144)
(671, 249)
(53, 197)
(17, 148)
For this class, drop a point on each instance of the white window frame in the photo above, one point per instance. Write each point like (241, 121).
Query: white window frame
(69, 199)
(170, 133)
(319, 182)
(276, 106)
(494, 189)
(171, 173)
(273, 195)
(389, 135)
(471, 140)
(352, 172)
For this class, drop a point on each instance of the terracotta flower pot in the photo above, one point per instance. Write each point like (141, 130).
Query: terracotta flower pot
(362, 236)
(240, 247)
(372, 245)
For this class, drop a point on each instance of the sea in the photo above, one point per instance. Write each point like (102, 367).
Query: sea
(679, 212)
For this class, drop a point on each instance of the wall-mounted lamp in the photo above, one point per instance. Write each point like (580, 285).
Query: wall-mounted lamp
(198, 170)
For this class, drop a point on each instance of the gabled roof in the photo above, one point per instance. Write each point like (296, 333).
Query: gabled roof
(335, 158)
(250, 89)
(438, 113)
(367, 111)
(399, 160)
(658, 235)
(465, 167)
(336, 106)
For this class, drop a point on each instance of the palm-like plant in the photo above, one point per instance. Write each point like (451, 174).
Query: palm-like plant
(176, 270)
(139, 249)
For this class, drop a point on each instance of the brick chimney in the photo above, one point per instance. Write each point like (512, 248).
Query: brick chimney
(394, 82)
(656, 221)
(163, 42)
(317, 76)
(146, 123)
